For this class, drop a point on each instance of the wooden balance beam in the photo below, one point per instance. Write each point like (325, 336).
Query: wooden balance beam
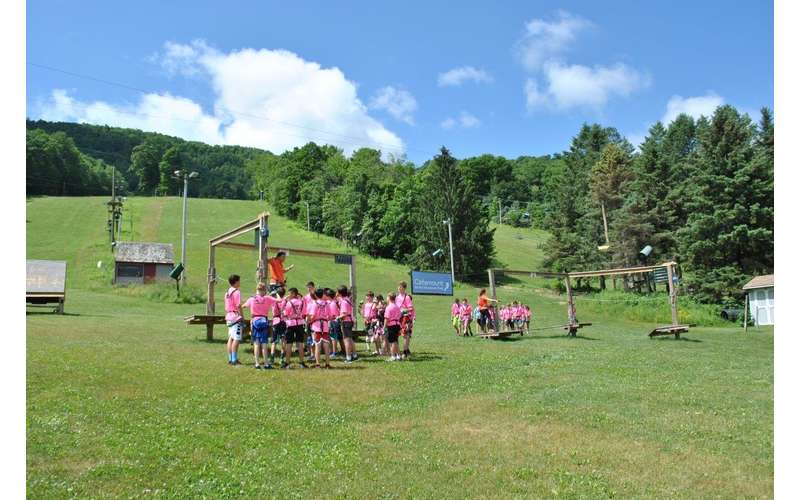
(669, 330)
(501, 335)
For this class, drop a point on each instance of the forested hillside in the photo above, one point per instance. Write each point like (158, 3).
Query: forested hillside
(698, 191)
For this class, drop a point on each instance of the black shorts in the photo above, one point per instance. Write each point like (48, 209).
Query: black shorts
(392, 333)
(278, 332)
(295, 334)
(347, 329)
(274, 287)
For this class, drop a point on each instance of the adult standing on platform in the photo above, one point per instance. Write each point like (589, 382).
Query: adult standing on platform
(277, 273)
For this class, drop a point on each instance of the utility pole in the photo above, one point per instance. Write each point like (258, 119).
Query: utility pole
(308, 217)
(186, 176)
(500, 207)
(452, 261)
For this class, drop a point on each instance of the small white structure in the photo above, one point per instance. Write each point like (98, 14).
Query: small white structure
(136, 262)
(760, 299)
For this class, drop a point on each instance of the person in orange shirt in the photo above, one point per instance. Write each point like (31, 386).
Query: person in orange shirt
(483, 307)
(277, 273)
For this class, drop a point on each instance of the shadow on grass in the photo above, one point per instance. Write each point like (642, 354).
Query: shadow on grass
(670, 338)
(48, 313)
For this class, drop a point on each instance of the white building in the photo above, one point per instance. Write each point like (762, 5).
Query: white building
(761, 299)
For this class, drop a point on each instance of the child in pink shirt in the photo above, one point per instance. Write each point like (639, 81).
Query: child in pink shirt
(292, 314)
(260, 305)
(317, 319)
(466, 317)
(392, 318)
(346, 323)
(406, 305)
(455, 314)
(233, 318)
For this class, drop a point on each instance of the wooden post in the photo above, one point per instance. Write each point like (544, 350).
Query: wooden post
(746, 302)
(261, 270)
(492, 287)
(673, 295)
(212, 277)
(353, 293)
(571, 316)
(605, 222)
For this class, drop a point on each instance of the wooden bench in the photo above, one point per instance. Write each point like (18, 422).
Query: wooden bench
(669, 330)
(46, 300)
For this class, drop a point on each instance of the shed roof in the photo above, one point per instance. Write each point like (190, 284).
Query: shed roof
(151, 253)
(760, 282)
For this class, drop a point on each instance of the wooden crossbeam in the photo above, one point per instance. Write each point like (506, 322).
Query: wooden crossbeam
(233, 233)
(617, 272)
(290, 251)
(533, 274)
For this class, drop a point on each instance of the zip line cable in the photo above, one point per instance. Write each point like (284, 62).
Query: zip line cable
(232, 112)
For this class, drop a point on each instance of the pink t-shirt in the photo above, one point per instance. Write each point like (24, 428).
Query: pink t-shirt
(233, 299)
(259, 305)
(466, 311)
(293, 311)
(333, 309)
(392, 314)
(403, 301)
(345, 309)
(454, 309)
(307, 300)
(318, 310)
(277, 312)
(368, 311)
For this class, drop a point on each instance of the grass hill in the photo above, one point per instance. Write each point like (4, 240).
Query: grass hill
(123, 399)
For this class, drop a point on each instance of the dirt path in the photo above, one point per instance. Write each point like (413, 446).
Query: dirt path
(151, 220)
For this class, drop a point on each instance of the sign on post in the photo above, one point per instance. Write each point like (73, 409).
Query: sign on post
(660, 275)
(343, 259)
(426, 283)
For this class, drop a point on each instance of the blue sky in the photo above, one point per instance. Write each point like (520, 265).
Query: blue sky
(517, 78)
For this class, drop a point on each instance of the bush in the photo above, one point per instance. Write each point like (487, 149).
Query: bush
(647, 308)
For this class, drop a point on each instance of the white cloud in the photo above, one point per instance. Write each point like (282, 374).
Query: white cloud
(464, 119)
(692, 106)
(272, 99)
(578, 86)
(544, 40)
(457, 76)
(398, 103)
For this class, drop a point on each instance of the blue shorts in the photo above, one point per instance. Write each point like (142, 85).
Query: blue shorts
(261, 330)
(335, 329)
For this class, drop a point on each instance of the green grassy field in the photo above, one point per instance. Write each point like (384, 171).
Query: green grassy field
(123, 399)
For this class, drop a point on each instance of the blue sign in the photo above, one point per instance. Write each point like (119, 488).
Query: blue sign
(425, 283)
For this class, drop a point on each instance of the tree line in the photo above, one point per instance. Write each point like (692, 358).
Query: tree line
(698, 191)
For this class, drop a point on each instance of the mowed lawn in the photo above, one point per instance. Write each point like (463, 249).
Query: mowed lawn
(123, 399)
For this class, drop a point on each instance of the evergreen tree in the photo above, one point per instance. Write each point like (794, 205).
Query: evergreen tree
(728, 235)
(447, 195)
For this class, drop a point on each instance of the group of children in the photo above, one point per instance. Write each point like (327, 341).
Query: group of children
(285, 321)
(385, 322)
(512, 316)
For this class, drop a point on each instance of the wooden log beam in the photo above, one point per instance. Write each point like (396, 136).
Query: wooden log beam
(617, 272)
(244, 228)
(533, 274)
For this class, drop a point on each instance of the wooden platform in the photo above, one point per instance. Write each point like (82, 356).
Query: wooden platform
(500, 335)
(572, 330)
(669, 330)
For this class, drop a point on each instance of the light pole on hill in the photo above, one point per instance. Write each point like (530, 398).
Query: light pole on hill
(186, 176)
(452, 261)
